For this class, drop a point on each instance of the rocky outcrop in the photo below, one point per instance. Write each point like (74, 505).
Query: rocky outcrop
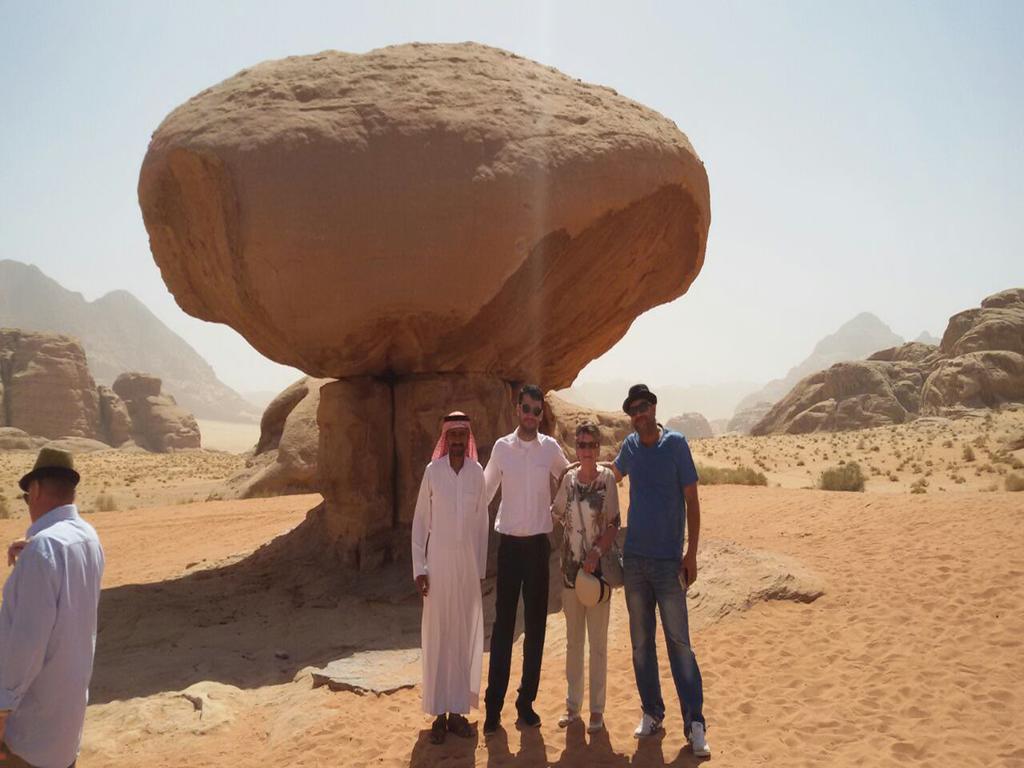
(114, 418)
(158, 423)
(14, 439)
(744, 420)
(48, 393)
(47, 388)
(979, 364)
(855, 339)
(259, 186)
(691, 425)
(118, 333)
(561, 418)
(285, 458)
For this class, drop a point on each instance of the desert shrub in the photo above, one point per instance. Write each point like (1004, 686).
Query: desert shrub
(106, 502)
(919, 486)
(730, 476)
(5, 511)
(968, 453)
(847, 477)
(1014, 482)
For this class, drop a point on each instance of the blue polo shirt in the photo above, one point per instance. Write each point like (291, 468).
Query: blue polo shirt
(657, 509)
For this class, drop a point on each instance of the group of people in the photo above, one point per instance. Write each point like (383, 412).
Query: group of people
(538, 488)
(48, 617)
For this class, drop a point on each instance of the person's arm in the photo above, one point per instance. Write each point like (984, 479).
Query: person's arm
(692, 532)
(688, 479)
(559, 466)
(481, 534)
(558, 505)
(28, 617)
(492, 473)
(420, 534)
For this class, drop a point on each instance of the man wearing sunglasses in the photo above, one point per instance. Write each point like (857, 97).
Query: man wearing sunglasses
(663, 506)
(526, 465)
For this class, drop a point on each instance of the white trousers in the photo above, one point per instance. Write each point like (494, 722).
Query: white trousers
(591, 623)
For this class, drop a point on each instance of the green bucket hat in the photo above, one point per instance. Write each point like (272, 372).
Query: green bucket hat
(51, 463)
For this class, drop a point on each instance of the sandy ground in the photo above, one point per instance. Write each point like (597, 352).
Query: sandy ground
(230, 436)
(911, 657)
(970, 453)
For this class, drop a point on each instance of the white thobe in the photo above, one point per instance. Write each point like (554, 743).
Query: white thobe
(449, 545)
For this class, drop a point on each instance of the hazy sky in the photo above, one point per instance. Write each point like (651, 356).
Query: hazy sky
(862, 156)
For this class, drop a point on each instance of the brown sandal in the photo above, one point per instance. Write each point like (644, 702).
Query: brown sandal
(437, 730)
(460, 726)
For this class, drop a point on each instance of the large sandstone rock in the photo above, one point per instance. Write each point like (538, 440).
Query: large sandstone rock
(691, 425)
(285, 458)
(47, 388)
(115, 421)
(332, 164)
(14, 439)
(562, 418)
(979, 364)
(158, 423)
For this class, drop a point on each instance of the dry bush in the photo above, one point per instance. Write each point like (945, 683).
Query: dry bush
(847, 477)
(919, 486)
(1014, 482)
(5, 511)
(730, 476)
(106, 502)
(968, 453)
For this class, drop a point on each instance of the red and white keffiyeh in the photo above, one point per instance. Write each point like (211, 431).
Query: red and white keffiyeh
(455, 420)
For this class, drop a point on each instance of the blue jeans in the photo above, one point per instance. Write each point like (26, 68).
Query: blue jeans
(650, 582)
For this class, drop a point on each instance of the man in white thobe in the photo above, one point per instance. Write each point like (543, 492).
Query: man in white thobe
(449, 558)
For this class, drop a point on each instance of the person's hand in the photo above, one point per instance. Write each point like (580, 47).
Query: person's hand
(423, 584)
(14, 549)
(689, 566)
(592, 561)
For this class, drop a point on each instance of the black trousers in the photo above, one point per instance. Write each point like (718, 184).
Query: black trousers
(522, 567)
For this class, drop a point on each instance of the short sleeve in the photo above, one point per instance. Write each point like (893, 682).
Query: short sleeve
(558, 461)
(624, 461)
(611, 502)
(684, 463)
(558, 505)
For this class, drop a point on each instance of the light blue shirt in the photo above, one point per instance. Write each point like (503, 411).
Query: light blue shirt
(48, 637)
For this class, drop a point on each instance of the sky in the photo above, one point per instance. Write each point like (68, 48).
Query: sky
(863, 156)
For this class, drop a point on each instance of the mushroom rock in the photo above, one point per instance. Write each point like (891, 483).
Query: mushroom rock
(478, 214)
(459, 196)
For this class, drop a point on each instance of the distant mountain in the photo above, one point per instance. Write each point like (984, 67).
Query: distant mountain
(712, 400)
(119, 334)
(855, 340)
(927, 338)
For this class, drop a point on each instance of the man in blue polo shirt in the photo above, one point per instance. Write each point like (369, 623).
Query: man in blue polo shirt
(663, 503)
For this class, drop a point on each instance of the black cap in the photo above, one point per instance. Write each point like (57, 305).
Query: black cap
(639, 392)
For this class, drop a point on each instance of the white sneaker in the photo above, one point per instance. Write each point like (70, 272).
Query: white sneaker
(648, 726)
(567, 718)
(698, 740)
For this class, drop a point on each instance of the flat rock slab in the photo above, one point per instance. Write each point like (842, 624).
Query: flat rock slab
(376, 672)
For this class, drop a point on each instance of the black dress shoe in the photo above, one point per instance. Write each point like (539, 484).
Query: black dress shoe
(491, 723)
(528, 717)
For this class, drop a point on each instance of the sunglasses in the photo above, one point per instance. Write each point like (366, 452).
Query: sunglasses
(641, 407)
(536, 411)
(587, 446)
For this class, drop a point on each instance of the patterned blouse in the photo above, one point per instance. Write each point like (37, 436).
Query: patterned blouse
(596, 504)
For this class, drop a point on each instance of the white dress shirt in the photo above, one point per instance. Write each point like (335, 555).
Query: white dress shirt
(48, 638)
(523, 469)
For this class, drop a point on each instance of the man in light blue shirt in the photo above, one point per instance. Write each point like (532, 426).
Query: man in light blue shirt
(48, 622)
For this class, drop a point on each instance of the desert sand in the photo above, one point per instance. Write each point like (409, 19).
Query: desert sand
(911, 656)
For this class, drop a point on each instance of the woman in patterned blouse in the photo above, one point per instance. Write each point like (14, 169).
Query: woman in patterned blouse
(587, 506)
